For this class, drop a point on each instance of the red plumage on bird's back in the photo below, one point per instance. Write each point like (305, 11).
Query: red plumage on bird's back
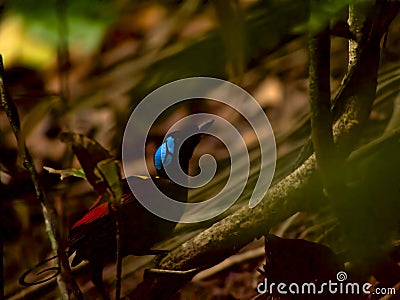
(94, 214)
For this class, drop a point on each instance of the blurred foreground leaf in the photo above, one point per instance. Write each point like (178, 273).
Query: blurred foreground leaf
(87, 19)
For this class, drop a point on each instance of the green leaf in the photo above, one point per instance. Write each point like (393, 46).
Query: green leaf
(86, 19)
(67, 172)
(322, 13)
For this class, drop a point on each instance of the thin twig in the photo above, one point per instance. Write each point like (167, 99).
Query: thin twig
(13, 117)
(320, 106)
(118, 272)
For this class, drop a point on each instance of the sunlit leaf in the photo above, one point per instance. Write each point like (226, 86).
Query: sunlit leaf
(67, 173)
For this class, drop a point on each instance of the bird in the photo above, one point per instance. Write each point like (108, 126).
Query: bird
(93, 237)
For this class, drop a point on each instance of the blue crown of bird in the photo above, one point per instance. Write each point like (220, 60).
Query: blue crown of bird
(93, 237)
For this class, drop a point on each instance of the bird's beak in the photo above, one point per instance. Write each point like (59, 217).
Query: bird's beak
(205, 126)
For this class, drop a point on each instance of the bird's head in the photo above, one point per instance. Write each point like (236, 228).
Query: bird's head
(175, 148)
